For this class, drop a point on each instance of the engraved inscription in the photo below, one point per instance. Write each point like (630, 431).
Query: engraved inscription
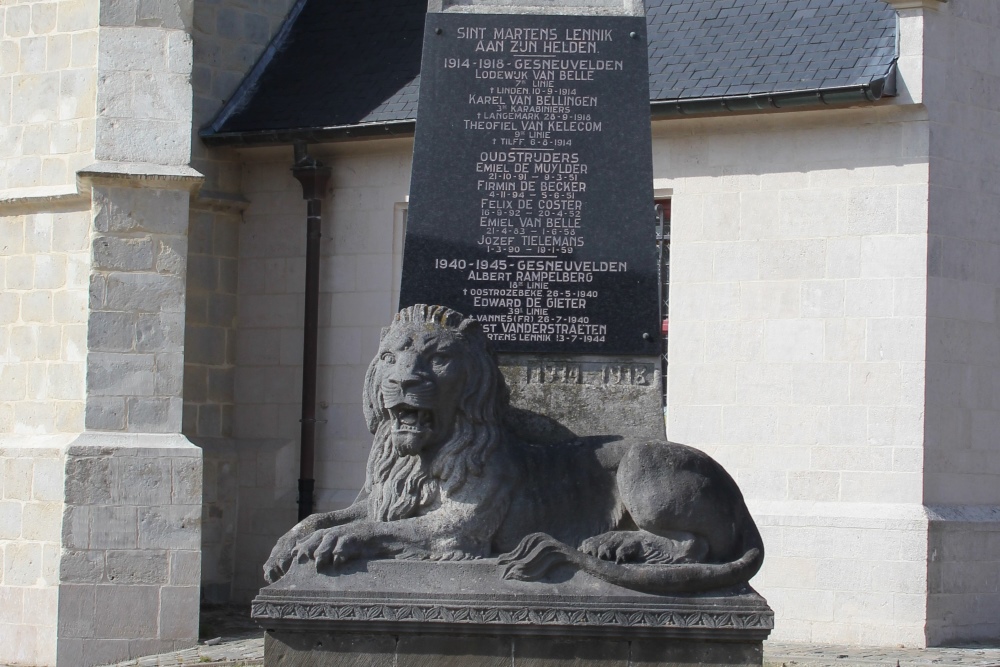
(536, 247)
(588, 373)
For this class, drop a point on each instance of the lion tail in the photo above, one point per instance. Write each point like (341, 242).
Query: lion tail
(538, 553)
(675, 578)
(682, 577)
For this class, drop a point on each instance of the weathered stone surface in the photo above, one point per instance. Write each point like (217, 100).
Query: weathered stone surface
(303, 649)
(177, 621)
(555, 398)
(77, 567)
(548, 651)
(470, 597)
(137, 567)
(447, 481)
(456, 651)
(123, 254)
(309, 650)
(421, 613)
(659, 653)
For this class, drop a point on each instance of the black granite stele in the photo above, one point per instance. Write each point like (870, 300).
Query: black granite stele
(430, 613)
(531, 204)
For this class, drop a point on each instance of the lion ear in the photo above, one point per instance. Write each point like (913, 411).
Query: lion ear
(383, 333)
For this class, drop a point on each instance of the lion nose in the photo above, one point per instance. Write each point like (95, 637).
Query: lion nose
(409, 382)
(413, 375)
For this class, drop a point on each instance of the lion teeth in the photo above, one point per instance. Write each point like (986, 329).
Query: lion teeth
(412, 418)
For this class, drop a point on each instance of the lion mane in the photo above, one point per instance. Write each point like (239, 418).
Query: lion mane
(397, 486)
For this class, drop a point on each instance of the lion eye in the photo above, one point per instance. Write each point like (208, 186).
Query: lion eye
(388, 357)
(440, 358)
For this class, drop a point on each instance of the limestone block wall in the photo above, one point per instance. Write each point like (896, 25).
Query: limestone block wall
(130, 568)
(31, 510)
(144, 96)
(361, 251)
(962, 456)
(228, 38)
(48, 83)
(136, 326)
(100, 495)
(211, 323)
(210, 355)
(43, 320)
(798, 290)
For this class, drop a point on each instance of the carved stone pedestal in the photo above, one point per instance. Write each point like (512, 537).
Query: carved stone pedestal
(403, 613)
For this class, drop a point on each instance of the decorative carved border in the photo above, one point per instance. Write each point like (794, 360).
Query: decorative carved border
(491, 615)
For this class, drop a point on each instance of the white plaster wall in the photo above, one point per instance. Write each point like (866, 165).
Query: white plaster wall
(961, 87)
(797, 350)
(361, 249)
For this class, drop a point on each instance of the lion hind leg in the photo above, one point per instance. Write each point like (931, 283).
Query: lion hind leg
(640, 546)
(538, 553)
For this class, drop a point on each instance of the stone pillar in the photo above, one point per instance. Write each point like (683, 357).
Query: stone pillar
(130, 567)
(100, 494)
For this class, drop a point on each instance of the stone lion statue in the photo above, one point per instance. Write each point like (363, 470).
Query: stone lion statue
(447, 481)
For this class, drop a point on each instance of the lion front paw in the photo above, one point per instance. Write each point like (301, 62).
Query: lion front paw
(281, 559)
(331, 546)
(534, 557)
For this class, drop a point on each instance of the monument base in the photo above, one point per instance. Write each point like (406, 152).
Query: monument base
(399, 613)
(301, 649)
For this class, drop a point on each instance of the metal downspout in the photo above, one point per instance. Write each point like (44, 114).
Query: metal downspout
(314, 177)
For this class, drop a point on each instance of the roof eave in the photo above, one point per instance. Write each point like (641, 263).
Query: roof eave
(311, 135)
(872, 91)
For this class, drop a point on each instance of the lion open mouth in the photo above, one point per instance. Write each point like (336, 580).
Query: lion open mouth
(408, 418)
(412, 428)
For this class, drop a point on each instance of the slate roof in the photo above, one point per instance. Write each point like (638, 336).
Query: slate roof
(351, 63)
(716, 48)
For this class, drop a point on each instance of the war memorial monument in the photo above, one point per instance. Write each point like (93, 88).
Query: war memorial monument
(521, 506)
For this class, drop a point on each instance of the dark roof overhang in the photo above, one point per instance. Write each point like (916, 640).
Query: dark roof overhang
(349, 70)
(659, 109)
(852, 95)
(872, 91)
(311, 135)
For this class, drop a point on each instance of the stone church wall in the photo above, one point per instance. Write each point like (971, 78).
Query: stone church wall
(48, 90)
(228, 39)
(962, 433)
(100, 490)
(48, 57)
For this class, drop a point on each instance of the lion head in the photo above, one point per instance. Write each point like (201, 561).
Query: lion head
(435, 400)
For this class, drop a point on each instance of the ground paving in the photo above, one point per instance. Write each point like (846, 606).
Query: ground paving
(232, 640)
(243, 652)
